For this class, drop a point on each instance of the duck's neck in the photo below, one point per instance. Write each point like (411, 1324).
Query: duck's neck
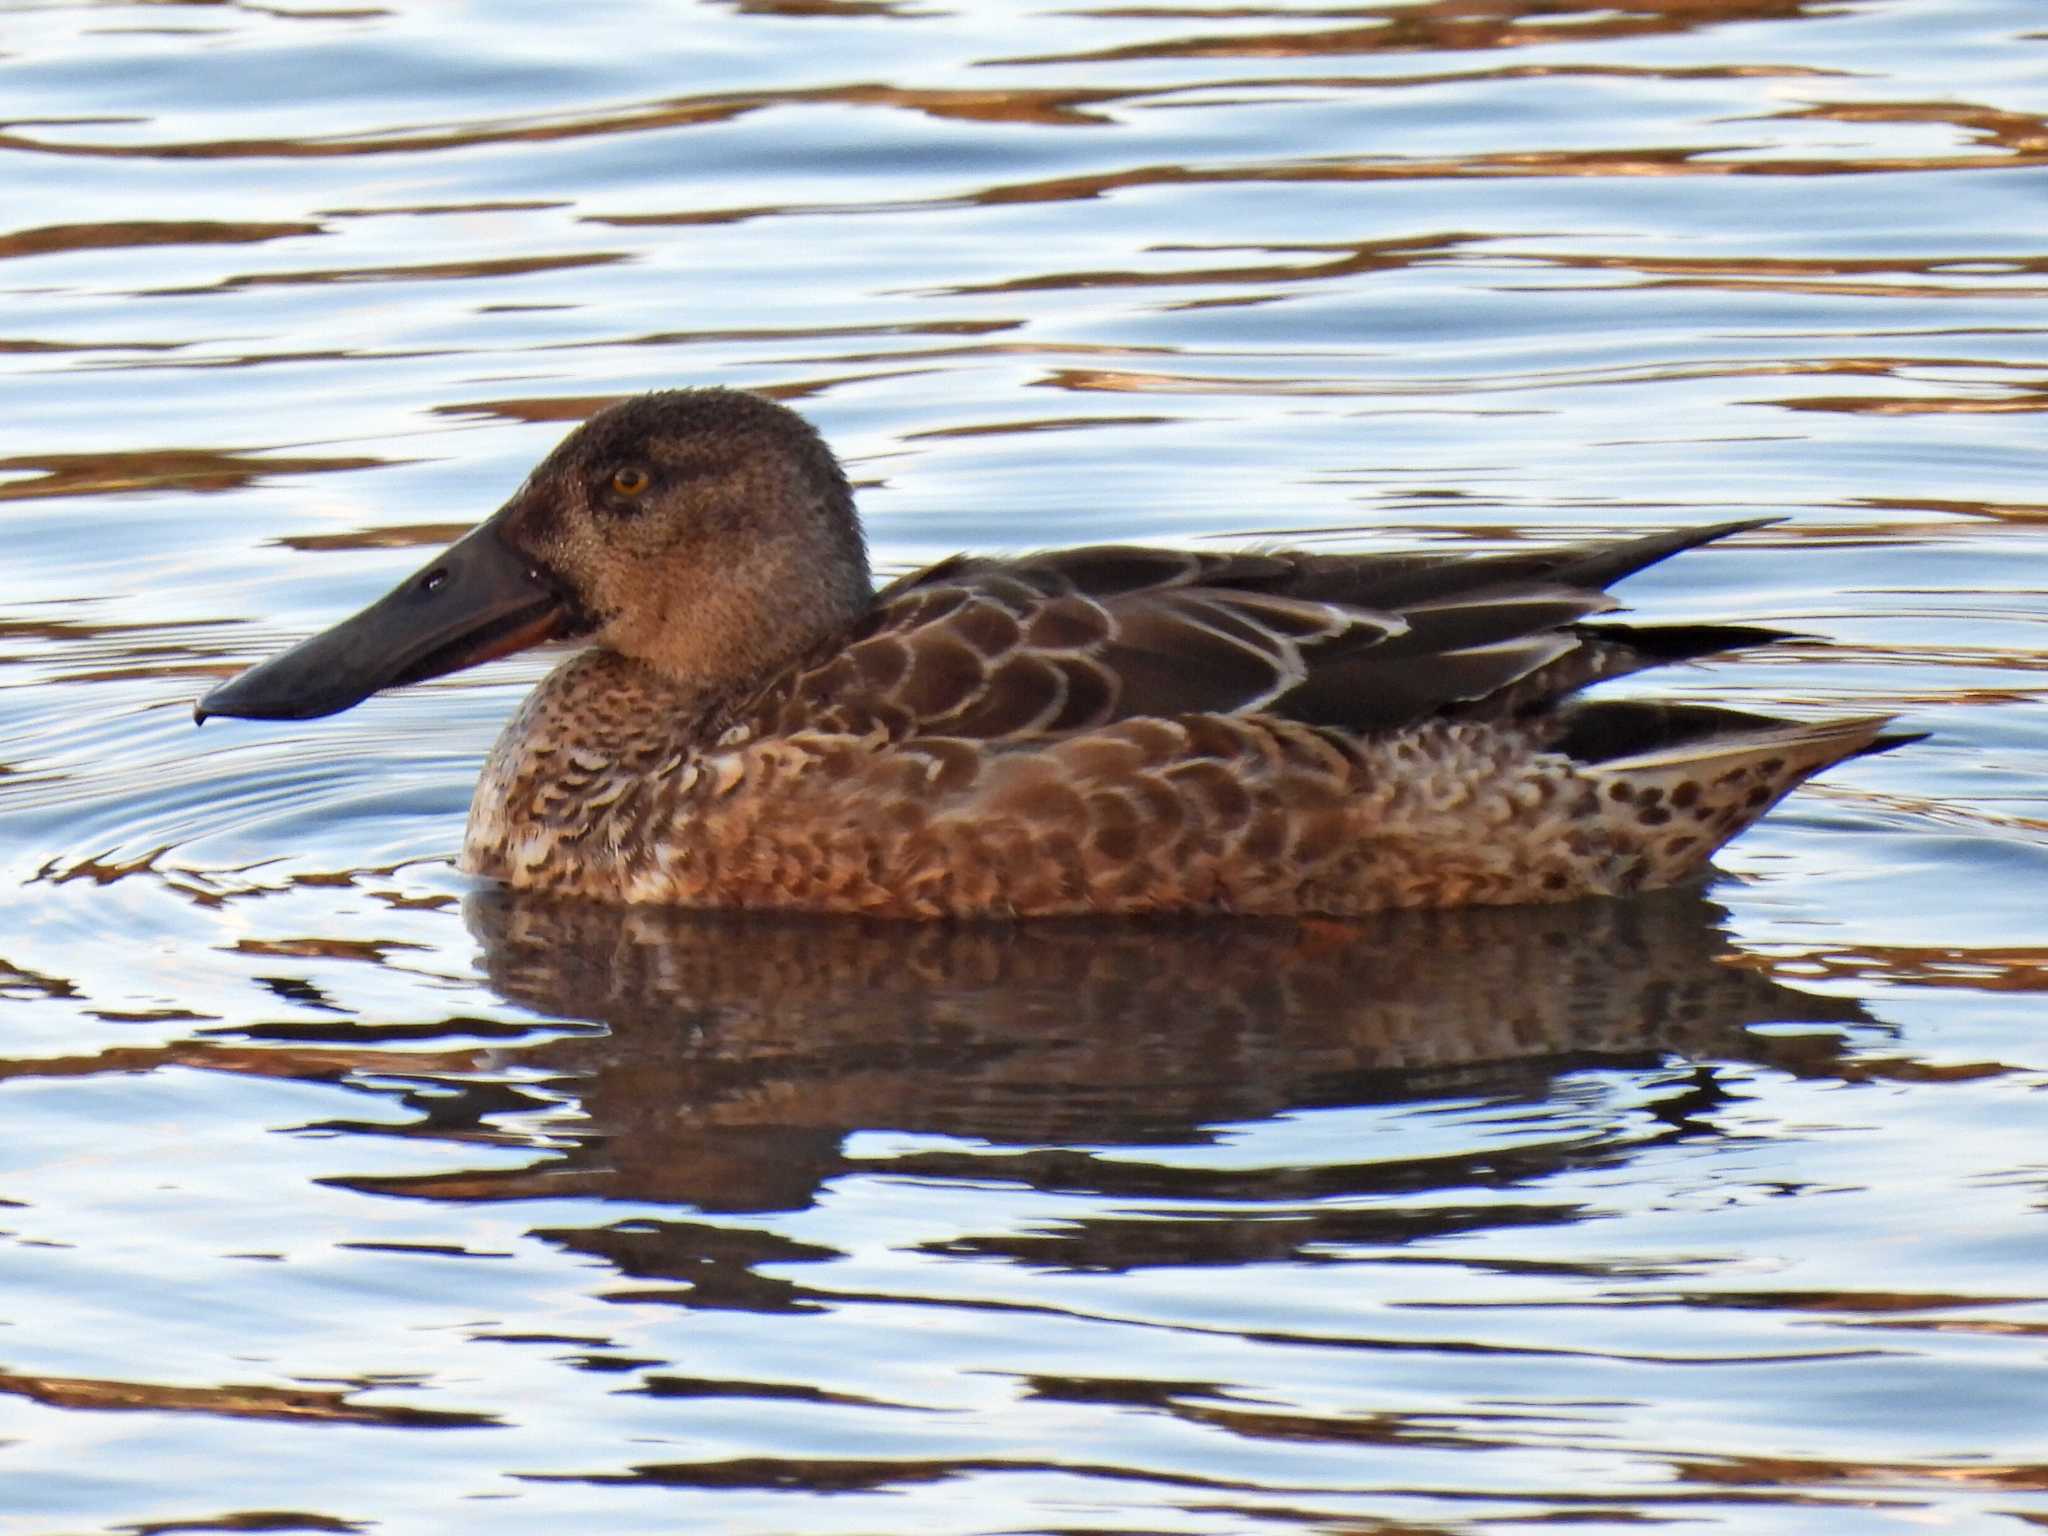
(736, 634)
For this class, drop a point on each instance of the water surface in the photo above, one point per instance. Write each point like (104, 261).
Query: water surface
(341, 1194)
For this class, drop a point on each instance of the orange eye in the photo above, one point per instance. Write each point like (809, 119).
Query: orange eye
(631, 480)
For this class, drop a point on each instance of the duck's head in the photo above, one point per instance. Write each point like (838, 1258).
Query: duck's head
(707, 533)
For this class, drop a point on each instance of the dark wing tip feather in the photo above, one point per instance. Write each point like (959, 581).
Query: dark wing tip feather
(1890, 740)
(1658, 644)
(1405, 580)
(1603, 564)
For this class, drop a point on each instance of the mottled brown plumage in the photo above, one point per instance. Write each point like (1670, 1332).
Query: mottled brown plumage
(1095, 730)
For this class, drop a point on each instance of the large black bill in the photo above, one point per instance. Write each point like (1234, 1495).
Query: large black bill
(477, 601)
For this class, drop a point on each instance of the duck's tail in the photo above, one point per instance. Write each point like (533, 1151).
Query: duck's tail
(1676, 781)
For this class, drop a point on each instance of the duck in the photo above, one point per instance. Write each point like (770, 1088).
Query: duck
(1109, 730)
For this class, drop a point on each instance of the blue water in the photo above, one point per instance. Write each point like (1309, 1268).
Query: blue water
(338, 1193)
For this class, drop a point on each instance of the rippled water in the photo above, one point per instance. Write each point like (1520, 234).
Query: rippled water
(339, 1194)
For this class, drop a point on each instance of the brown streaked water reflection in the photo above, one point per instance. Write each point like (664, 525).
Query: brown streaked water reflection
(1431, 26)
(338, 1194)
(724, 1031)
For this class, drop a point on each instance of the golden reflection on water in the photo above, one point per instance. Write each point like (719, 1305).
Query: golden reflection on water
(143, 232)
(1437, 25)
(158, 469)
(282, 1404)
(405, 536)
(2028, 511)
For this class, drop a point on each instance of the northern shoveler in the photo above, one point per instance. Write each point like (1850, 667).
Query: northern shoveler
(1099, 730)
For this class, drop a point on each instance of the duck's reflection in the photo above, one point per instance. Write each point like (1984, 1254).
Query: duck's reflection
(740, 1052)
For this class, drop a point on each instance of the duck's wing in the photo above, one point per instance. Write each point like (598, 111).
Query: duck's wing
(996, 649)
(1071, 640)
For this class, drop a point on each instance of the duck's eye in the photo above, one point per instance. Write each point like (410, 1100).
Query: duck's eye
(631, 480)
